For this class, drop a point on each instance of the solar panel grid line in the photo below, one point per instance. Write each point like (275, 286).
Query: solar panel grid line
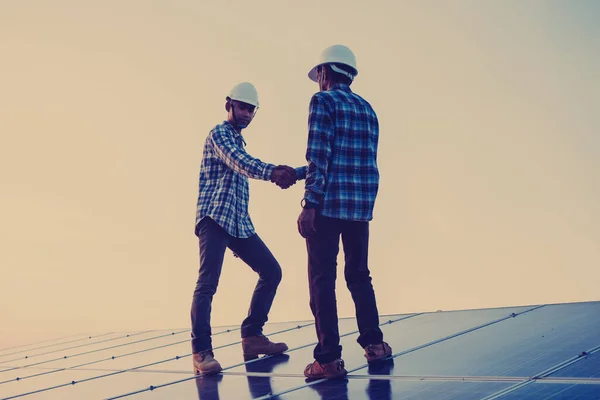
(577, 381)
(137, 367)
(103, 349)
(74, 347)
(9, 369)
(508, 390)
(18, 346)
(440, 378)
(142, 371)
(543, 374)
(19, 378)
(262, 358)
(434, 342)
(87, 337)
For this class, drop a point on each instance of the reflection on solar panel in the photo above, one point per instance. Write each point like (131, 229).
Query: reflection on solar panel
(532, 352)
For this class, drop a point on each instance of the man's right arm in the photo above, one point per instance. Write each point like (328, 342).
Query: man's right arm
(236, 158)
(318, 153)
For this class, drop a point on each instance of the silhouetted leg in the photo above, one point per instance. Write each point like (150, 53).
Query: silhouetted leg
(213, 242)
(355, 238)
(323, 249)
(255, 253)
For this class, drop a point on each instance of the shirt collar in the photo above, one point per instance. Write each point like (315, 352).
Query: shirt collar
(236, 134)
(341, 86)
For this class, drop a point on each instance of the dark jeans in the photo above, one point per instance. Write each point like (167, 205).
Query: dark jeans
(323, 249)
(214, 240)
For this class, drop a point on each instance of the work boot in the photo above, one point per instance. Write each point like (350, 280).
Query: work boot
(255, 345)
(377, 352)
(331, 370)
(205, 363)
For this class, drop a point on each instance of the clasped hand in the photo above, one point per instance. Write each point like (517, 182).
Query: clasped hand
(283, 176)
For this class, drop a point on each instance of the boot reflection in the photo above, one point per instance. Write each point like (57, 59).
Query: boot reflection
(261, 385)
(380, 389)
(332, 389)
(208, 386)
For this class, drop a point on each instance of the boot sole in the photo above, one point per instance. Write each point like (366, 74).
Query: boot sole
(324, 376)
(209, 372)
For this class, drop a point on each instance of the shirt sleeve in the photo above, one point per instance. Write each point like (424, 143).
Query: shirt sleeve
(318, 154)
(301, 172)
(236, 158)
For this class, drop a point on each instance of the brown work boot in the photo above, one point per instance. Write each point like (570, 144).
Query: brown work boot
(255, 345)
(205, 363)
(377, 352)
(332, 370)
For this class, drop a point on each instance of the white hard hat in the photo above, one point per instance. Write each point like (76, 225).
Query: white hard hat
(338, 54)
(244, 92)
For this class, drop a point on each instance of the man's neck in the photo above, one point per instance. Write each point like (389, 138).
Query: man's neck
(235, 127)
(328, 85)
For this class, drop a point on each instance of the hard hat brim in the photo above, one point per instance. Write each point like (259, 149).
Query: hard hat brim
(312, 74)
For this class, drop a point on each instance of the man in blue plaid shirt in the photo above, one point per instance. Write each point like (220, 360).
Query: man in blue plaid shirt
(341, 185)
(222, 221)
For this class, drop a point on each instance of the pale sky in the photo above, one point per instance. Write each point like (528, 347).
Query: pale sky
(489, 153)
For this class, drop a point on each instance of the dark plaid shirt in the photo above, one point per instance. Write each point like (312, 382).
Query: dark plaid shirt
(342, 175)
(223, 189)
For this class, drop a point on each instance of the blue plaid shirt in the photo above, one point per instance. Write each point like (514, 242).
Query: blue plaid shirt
(342, 177)
(223, 189)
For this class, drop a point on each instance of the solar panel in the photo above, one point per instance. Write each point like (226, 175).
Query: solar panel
(500, 353)
(48, 344)
(523, 346)
(555, 391)
(587, 367)
(390, 389)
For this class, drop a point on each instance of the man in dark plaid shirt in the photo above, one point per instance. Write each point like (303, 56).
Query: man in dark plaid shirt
(222, 221)
(341, 185)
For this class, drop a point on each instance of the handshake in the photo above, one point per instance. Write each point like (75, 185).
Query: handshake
(283, 176)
